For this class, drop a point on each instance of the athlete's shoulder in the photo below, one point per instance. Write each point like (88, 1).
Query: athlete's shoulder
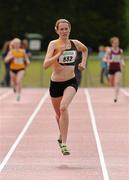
(75, 41)
(53, 43)
(79, 45)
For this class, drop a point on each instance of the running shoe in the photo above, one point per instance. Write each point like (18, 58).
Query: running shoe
(64, 149)
(18, 98)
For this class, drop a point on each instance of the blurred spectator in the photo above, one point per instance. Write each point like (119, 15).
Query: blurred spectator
(25, 45)
(6, 79)
(104, 67)
(90, 50)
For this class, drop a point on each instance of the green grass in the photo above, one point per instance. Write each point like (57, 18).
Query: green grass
(36, 76)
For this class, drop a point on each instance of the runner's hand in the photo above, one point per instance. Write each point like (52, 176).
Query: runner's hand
(81, 66)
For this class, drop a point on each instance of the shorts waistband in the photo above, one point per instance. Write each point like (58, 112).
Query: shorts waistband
(60, 82)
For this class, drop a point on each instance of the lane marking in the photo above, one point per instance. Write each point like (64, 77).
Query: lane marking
(5, 94)
(96, 134)
(19, 138)
(125, 92)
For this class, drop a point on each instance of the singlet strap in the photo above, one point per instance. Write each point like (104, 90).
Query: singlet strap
(73, 45)
(118, 52)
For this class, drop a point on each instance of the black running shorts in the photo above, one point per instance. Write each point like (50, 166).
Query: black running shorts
(57, 88)
(15, 71)
(113, 71)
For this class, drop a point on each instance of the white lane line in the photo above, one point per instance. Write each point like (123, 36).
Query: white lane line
(19, 138)
(125, 92)
(96, 134)
(5, 94)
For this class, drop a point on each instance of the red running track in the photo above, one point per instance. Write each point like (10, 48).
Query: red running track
(37, 156)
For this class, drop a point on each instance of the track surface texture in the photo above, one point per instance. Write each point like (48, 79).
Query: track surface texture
(98, 136)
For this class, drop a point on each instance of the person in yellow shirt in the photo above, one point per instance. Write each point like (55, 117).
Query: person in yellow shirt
(61, 56)
(18, 61)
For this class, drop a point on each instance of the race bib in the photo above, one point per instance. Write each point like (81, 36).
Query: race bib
(116, 58)
(68, 57)
(18, 61)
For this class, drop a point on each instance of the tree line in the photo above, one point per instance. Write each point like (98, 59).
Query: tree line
(93, 21)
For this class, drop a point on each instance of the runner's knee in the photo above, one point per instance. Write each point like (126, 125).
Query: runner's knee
(117, 83)
(63, 107)
(57, 116)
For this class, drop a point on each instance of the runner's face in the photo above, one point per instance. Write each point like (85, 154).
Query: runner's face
(17, 45)
(115, 43)
(63, 30)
